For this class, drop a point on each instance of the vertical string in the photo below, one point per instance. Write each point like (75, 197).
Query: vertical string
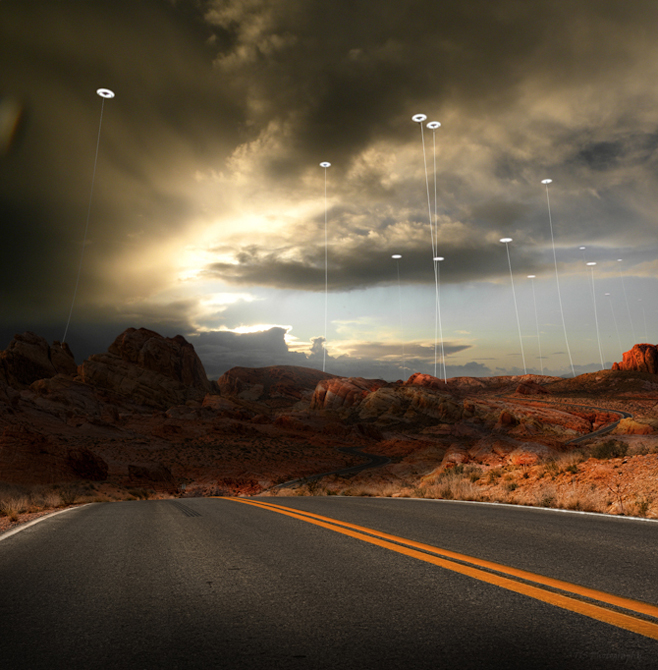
(326, 274)
(84, 241)
(516, 310)
(557, 279)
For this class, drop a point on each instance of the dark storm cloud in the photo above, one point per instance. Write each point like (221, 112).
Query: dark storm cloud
(365, 264)
(212, 95)
(518, 83)
(54, 57)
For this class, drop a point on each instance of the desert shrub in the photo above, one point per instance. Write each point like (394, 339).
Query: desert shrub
(547, 497)
(139, 493)
(13, 506)
(493, 475)
(511, 486)
(610, 449)
(69, 494)
(552, 467)
(642, 505)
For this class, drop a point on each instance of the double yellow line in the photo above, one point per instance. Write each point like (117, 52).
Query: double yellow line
(548, 590)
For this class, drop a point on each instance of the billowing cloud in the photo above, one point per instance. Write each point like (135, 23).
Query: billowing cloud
(208, 180)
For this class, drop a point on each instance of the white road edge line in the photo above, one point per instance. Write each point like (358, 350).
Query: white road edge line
(9, 533)
(600, 515)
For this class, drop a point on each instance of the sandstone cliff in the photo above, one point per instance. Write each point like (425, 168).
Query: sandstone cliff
(641, 358)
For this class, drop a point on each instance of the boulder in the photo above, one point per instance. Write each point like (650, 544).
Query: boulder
(629, 426)
(641, 358)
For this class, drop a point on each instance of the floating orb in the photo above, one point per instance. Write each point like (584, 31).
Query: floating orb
(505, 240)
(532, 276)
(592, 263)
(105, 93)
(433, 125)
(325, 165)
(396, 256)
(582, 248)
(419, 118)
(546, 181)
(619, 260)
(439, 258)
(607, 294)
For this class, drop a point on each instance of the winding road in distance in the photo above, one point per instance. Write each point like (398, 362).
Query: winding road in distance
(328, 582)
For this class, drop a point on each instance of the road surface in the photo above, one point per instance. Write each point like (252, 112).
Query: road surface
(389, 583)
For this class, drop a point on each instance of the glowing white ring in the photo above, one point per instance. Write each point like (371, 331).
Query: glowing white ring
(105, 93)
(433, 125)
(592, 263)
(325, 165)
(505, 240)
(419, 118)
(581, 248)
(439, 258)
(546, 181)
(396, 256)
(619, 260)
(531, 276)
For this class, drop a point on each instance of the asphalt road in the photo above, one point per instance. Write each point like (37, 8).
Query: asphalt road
(219, 583)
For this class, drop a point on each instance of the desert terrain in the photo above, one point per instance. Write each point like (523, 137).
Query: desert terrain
(143, 421)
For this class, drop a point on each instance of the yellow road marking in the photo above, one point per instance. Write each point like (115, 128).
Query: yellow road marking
(621, 620)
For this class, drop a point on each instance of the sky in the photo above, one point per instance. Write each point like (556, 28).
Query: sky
(193, 202)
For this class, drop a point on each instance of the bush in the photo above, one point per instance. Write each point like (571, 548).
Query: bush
(610, 449)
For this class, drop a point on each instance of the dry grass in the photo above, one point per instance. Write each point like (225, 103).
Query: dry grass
(572, 481)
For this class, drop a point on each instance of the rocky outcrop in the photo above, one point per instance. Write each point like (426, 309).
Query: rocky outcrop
(343, 393)
(531, 388)
(641, 358)
(151, 369)
(29, 358)
(420, 379)
(172, 357)
(275, 385)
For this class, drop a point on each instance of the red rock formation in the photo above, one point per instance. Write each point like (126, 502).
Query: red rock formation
(343, 392)
(280, 385)
(172, 357)
(641, 358)
(29, 358)
(420, 379)
(531, 388)
(152, 370)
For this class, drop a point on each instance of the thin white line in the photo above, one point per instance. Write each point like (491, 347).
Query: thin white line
(23, 526)
(516, 309)
(326, 275)
(84, 241)
(557, 281)
(601, 515)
